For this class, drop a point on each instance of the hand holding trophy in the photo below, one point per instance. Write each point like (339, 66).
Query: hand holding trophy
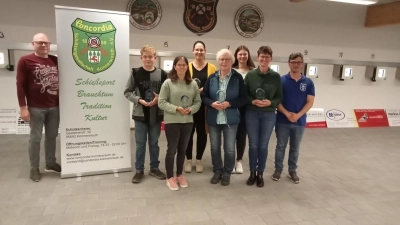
(184, 109)
(261, 101)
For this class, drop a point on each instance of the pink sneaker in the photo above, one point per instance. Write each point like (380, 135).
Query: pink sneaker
(171, 183)
(182, 181)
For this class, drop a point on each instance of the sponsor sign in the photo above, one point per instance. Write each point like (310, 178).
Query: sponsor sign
(393, 116)
(336, 118)
(371, 118)
(8, 120)
(316, 118)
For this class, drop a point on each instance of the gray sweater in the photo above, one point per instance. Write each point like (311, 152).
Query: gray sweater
(174, 94)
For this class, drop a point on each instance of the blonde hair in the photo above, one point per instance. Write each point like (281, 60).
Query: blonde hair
(148, 48)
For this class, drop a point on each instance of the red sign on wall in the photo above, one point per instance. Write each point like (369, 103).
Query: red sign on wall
(371, 117)
(321, 124)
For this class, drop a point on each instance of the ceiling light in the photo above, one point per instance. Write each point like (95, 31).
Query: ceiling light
(360, 2)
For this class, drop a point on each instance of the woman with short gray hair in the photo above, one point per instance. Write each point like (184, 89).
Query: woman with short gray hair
(223, 93)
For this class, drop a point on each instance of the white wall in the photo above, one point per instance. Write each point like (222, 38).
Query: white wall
(359, 92)
(323, 28)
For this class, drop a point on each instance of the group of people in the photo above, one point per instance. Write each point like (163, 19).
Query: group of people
(233, 101)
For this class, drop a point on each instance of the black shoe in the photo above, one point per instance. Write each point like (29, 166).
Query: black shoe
(35, 175)
(226, 180)
(157, 174)
(260, 179)
(54, 168)
(293, 177)
(277, 175)
(138, 177)
(252, 178)
(216, 178)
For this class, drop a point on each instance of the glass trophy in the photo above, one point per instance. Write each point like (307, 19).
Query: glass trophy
(185, 101)
(221, 95)
(260, 94)
(149, 95)
(198, 82)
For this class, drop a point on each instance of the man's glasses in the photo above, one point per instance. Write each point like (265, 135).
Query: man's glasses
(41, 43)
(296, 63)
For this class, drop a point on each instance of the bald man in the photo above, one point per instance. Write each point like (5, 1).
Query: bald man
(37, 90)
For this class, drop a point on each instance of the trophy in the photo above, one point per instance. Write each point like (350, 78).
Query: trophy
(198, 82)
(149, 95)
(221, 95)
(185, 101)
(260, 94)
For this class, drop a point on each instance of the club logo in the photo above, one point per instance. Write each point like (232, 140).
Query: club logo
(249, 21)
(303, 87)
(94, 45)
(145, 14)
(200, 16)
(335, 115)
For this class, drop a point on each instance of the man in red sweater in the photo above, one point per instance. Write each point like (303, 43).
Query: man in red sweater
(37, 89)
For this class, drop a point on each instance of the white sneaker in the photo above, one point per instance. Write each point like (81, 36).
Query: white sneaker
(188, 166)
(234, 170)
(199, 166)
(239, 167)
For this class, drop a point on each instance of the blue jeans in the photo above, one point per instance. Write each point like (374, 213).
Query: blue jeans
(283, 133)
(50, 118)
(141, 131)
(259, 129)
(226, 167)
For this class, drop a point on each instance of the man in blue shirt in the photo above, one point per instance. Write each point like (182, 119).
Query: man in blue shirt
(298, 98)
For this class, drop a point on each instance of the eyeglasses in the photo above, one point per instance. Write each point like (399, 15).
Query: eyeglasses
(223, 59)
(41, 43)
(264, 56)
(296, 63)
(181, 65)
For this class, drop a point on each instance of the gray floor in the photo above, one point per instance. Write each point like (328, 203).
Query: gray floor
(348, 176)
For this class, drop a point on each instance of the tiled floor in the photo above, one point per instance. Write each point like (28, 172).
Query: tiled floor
(348, 176)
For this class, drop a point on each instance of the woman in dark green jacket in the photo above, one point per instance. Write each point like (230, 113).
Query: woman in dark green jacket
(264, 93)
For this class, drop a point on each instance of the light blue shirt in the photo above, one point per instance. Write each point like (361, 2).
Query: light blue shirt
(223, 84)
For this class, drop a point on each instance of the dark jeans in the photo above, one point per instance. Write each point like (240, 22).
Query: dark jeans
(177, 135)
(259, 128)
(50, 118)
(241, 139)
(229, 132)
(142, 130)
(199, 125)
(283, 133)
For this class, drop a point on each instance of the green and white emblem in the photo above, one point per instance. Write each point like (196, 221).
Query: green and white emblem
(94, 45)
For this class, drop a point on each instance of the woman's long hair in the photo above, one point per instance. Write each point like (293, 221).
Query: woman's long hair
(250, 62)
(173, 74)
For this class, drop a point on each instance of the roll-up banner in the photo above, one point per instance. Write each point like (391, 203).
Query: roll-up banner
(93, 61)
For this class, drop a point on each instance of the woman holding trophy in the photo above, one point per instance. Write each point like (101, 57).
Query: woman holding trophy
(199, 69)
(224, 93)
(264, 92)
(179, 99)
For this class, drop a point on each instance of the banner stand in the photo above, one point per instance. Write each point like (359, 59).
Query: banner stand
(93, 64)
